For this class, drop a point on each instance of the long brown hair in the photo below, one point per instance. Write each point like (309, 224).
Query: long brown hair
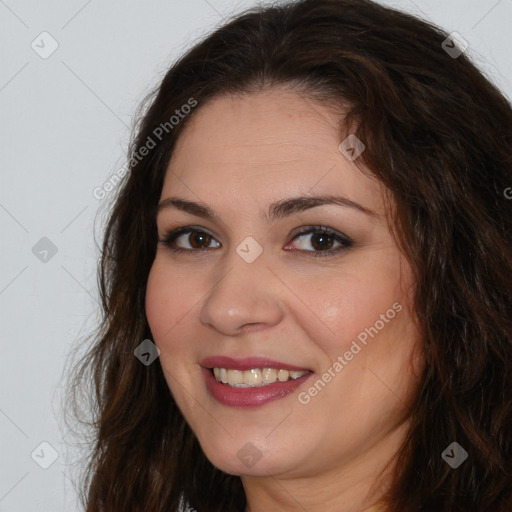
(438, 135)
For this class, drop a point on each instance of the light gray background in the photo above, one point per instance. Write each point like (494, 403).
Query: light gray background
(64, 127)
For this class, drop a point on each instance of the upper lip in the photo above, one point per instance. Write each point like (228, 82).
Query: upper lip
(246, 363)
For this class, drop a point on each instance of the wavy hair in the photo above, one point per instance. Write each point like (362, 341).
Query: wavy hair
(438, 136)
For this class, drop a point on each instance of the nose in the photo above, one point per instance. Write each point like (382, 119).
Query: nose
(245, 295)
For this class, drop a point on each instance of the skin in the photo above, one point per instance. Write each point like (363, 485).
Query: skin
(238, 155)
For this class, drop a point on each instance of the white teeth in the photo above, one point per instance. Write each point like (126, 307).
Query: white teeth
(255, 377)
(234, 377)
(250, 377)
(269, 375)
(283, 375)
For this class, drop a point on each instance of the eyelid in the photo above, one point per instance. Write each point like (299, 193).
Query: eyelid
(324, 229)
(344, 240)
(172, 234)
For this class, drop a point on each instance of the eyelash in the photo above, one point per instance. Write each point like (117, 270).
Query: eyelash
(344, 240)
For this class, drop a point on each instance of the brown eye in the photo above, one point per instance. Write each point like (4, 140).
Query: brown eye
(199, 239)
(321, 240)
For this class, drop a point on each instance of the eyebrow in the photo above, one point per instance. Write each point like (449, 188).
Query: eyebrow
(277, 210)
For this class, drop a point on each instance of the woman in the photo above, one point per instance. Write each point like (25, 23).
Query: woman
(306, 277)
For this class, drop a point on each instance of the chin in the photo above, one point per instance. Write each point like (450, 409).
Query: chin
(250, 458)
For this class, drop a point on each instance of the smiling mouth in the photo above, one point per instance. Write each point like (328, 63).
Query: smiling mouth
(255, 377)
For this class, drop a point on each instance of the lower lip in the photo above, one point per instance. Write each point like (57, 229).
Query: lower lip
(250, 397)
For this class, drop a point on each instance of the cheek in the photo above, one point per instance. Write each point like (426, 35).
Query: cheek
(167, 307)
(165, 303)
(352, 303)
(169, 297)
(157, 301)
(172, 306)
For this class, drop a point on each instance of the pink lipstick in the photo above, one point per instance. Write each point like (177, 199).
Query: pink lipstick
(265, 387)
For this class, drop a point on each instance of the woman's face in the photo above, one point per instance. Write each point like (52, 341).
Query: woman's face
(252, 290)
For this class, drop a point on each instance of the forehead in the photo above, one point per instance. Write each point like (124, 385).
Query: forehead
(278, 138)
